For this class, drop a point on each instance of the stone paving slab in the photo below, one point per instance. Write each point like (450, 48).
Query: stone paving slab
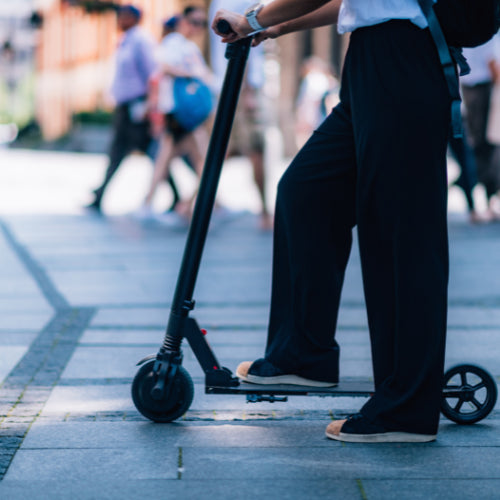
(72, 423)
(70, 400)
(271, 451)
(253, 434)
(289, 489)
(341, 462)
(104, 464)
(9, 357)
(13, 321)
(382, 489)
(211, 316)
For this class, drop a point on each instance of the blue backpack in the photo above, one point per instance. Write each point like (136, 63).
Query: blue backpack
(193, 102)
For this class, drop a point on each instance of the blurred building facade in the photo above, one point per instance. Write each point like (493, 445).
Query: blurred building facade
(74, 63)
(72, 45)
(17, 61)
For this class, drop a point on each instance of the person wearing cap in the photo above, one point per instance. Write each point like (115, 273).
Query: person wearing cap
(134, 66)
(378, 162)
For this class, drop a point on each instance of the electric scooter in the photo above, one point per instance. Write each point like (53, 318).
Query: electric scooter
(163, 390)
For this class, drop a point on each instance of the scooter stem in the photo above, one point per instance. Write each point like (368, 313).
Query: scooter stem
(237, 54)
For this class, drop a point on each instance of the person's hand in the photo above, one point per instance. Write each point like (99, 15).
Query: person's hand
(239, 26)
(271, 32)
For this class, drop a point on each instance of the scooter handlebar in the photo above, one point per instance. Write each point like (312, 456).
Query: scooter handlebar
(224, 27)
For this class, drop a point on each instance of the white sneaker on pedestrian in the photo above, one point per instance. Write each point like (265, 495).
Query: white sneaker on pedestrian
(144, 213)
(172, 219)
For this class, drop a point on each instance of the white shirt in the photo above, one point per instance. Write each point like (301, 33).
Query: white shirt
(360, 13)
(479, 59)
(177, 51)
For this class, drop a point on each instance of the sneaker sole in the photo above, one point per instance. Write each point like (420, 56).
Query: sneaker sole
(385, 437)
(284, 379)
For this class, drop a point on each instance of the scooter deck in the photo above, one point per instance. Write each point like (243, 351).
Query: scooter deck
(348, 388)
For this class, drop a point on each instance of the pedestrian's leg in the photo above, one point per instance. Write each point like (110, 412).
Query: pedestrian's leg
(120, 148)
(467, 163)
(312, 240)
(257, 159)
(477, 101)
(194, 144)
(152, 152)
(162, 164)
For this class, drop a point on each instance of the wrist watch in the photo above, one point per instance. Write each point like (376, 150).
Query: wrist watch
(251, 16)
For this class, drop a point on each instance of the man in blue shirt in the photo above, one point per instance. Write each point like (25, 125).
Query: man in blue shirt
(134, 66)
(378, 161)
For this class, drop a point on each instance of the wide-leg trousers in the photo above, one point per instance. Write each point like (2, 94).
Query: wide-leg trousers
(377, 162)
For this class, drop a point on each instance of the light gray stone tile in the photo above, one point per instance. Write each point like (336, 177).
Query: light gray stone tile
(68, 400)
(289, 489)
(9, 357)
(343, 462)
(445, 489)
(109, 464)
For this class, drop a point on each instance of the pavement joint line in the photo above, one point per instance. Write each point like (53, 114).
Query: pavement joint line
(149, 326)
(41, 367)
(45, 284)
(196, 416)
(361, 489)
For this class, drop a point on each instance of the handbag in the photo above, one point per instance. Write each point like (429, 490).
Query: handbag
(193, 102)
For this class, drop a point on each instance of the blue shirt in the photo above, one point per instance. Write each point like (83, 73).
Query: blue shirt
(135, 64)
(360, 13)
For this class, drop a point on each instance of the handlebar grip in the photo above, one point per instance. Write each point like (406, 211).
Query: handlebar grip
(224, 27)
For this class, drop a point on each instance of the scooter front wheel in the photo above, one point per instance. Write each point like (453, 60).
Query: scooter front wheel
(469, 394)
(170, 407)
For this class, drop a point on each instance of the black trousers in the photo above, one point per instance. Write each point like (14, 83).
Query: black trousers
(378, 162)
(128, 137)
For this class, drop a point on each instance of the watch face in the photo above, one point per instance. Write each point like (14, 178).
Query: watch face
(252, 8)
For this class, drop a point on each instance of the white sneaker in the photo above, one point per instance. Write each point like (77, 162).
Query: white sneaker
(145, 212)
(172, 219)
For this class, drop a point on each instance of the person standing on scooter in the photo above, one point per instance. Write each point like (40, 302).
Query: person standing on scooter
(378, 161)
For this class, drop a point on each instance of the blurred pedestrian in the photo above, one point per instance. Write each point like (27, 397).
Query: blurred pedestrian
(378, 161)
(318, 95)
(467, 179)
(157, 117)
(179, 57)
(247, 135)
(134, 66)
(476, 91)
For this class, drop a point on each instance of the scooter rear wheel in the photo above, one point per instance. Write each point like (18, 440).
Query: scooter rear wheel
(469, 394)
(169, 408)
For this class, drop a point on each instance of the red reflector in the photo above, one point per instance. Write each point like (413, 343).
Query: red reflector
(203, 331)
(216, 367)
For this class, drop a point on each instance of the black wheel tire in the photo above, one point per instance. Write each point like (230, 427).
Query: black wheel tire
(167, 409)
(478, 393)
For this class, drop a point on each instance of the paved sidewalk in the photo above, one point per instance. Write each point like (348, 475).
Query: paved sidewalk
(83, 298)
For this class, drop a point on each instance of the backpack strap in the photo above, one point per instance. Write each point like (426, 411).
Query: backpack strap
(447, 63)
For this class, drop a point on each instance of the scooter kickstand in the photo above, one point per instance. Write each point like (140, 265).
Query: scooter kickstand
(259, 398)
